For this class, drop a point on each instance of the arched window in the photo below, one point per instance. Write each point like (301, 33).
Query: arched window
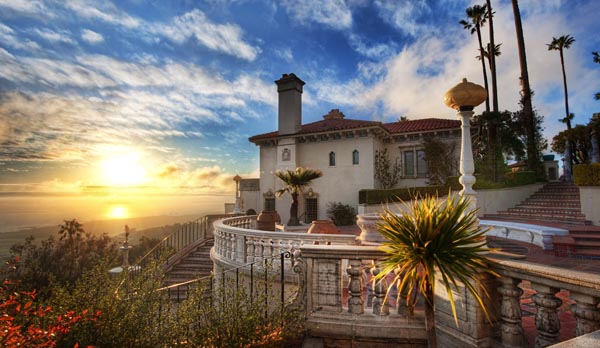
(355, 157)
(332, 159)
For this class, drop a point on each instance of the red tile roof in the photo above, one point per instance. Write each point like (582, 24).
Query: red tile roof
(423, 125)
(339, 123)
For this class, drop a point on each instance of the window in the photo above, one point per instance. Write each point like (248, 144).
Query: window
(421, 163)
(311, 210)
(409, 163)
(332, 159)
(269, 204)
(355, 157)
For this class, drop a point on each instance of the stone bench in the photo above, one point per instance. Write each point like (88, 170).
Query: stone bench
(535, 234)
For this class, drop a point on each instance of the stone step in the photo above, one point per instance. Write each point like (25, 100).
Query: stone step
(558, 204)
(530, 217)
(576, 213)
(553, 196)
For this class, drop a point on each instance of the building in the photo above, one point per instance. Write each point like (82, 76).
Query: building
(344, 150)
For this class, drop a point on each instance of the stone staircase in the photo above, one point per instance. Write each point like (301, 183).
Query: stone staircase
(196, 264)
(557, 204)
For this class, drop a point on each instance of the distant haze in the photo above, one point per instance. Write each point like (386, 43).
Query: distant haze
(25, 211)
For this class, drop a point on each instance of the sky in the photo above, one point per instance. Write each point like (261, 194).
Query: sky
(166, 93)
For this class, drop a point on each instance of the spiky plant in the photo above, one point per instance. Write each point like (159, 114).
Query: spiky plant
(434, 239)
(295, 181)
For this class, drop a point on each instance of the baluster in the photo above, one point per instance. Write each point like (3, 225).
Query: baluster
(586, 312)
(233, 246)
(546, 318)
(250, 250)
(512, 331)
(258, 253)
(218, 242)
(268, 251)
(227, 242)
(355, 301)
(380, 306)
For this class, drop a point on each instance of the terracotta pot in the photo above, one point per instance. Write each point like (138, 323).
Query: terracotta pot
(323, 227)
(266, 220)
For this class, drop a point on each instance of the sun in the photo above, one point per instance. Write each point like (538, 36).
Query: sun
(123, 169)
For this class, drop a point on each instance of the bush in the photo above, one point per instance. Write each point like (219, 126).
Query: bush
(586, 174)
(520, 178)
(341, 214)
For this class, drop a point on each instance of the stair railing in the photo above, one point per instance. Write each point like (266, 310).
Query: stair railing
(188, 233)
(253, 272)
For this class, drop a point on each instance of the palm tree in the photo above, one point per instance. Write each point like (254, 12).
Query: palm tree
(529, 117)
(295, 181)
(432, 239)
(560, 44)
(596, 60)
(492, 56)
(476, 17)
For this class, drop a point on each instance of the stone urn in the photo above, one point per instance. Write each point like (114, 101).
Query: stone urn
(267, 219)
(323, 227)
(368, 227)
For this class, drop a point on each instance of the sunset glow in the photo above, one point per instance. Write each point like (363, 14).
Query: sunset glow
(117, 212)
(123, 170)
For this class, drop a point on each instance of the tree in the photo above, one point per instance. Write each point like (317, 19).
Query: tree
(430, 240)
(441, 160)
(295, 181)
(387, 173)
(527, 109)
(492, 56)
(560, 44)
(596, 60)
(579, 140)
(63, 260)
(476, 17)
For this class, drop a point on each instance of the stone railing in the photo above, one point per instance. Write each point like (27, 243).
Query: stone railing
(237, 242)
(583, 290)
(341, 302)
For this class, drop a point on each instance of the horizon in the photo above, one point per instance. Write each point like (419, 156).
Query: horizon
(165, 95)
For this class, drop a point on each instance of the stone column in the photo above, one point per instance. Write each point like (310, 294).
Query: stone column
(380, 306)
(546, 318)
(355, 301)
(467, 165)
(586, 312)
(512, 331)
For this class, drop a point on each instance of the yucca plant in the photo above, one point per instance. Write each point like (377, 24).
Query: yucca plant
(434, 238)
(295, 181)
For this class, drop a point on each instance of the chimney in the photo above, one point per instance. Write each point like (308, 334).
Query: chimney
(289, 88)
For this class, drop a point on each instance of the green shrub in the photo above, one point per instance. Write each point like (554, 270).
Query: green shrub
(341, 214)
(520, 178)
(395, 195)
(586, 174)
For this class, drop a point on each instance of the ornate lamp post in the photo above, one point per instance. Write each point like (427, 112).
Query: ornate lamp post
(464, 97)
(236, 209)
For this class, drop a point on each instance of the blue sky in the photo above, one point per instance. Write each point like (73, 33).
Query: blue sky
(166, 93)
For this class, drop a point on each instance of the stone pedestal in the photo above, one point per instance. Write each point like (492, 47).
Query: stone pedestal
(368, 228)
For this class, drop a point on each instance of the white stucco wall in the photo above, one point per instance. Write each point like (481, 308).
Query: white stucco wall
(590, 203)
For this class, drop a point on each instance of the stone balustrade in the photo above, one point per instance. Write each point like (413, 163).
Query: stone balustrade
(238, 242)
(583, 290)
(335, 292)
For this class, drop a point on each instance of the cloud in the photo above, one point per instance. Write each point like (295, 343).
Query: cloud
(102, 10)
(54, 36)
(376, 51)
(25, 6)
(212, 178)
(226, 38)
(406, 15)
(91, 37)
(332, 13)
(8, 37)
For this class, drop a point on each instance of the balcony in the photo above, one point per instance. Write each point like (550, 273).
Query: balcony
(330, 278)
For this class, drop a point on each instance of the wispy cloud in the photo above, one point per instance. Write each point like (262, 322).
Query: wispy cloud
(332, 13)
(226, 38)
(54, 36)
(406, 15)
(102, 10)
(8, 37)
(91, 36)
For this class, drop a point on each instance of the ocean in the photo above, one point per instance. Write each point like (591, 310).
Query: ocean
(28, 211)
